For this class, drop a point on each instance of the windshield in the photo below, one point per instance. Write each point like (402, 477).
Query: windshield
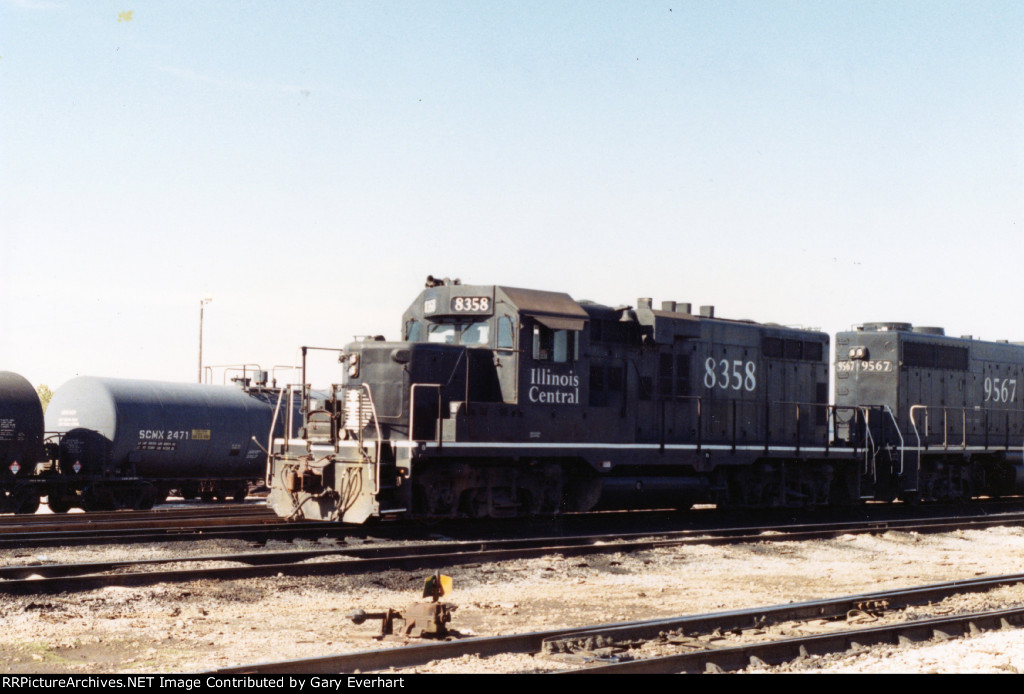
(460, 334)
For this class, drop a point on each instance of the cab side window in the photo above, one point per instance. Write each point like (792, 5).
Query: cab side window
(506, 337)
(557, 346)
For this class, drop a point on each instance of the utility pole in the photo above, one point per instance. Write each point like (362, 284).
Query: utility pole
(202, 305)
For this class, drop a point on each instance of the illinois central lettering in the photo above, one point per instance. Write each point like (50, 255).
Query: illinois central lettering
(549, 388)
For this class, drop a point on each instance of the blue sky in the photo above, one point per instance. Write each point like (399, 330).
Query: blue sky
(307, 164)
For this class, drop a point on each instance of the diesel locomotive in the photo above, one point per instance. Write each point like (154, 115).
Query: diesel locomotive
(502, 401)
(951, 424)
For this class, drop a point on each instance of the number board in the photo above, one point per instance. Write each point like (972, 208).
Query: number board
(471, 304)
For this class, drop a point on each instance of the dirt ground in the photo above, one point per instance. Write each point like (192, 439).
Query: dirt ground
(202, 625)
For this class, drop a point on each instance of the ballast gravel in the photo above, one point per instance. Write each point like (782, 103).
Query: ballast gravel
(202, 625)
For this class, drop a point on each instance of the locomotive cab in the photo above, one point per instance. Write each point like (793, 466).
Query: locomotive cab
(472, 355)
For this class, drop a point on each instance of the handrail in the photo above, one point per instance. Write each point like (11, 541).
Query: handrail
(800, 418)
(290, 419)
(899, 433)
(270, 435)
(869, 444)
(963, 411)
(797, 441)
(858, 412)
(379, 443)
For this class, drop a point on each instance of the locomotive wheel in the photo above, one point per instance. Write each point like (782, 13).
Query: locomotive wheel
(189, 490)
(241, 492)
(58, 504)
(29, 503)
(474, 503)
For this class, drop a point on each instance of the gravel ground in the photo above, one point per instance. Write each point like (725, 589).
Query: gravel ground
(202, 625)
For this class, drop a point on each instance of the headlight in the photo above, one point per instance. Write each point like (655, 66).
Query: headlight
(353, 366)
(860, 353)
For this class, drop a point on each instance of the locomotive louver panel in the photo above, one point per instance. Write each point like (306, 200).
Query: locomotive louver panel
(930, 356)
(613, 331)
(358, 410)
(802, 350)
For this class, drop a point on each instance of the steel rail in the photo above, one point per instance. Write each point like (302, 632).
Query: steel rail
(624, 542)
(270, 528)
(193, 532)
(777, 652)
(143, 520)
(194, 511)
(71, 577)
(535, 642)
(122, 527)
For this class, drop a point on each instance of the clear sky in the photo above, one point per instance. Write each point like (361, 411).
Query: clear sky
(307, 164)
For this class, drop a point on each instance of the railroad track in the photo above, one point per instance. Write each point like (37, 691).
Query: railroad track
(73, 520)
(714, 642)
(254, 532)
(253, 521)
(74, 577)
(249, 521)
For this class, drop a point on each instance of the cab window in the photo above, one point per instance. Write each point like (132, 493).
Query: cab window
(476, 334)
(557, 346)
(506, 338)
(460, 333)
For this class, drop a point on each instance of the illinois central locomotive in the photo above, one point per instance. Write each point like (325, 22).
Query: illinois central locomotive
(503, 401)
(948, 422)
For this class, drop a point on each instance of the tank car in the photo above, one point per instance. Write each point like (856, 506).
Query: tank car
(949, 421)
(502, 401)
(21, 444)
(127, 443)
